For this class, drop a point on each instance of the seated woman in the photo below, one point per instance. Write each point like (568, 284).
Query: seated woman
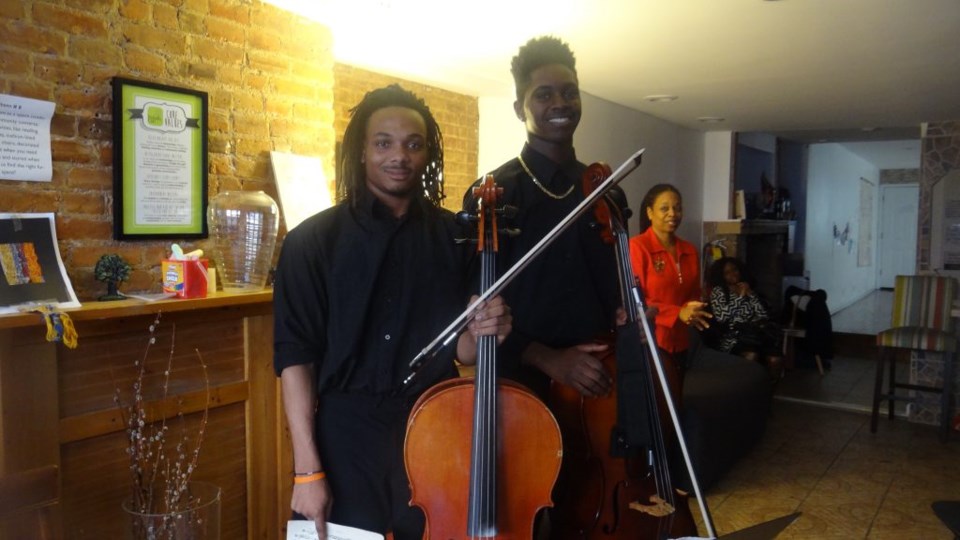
(742, 321)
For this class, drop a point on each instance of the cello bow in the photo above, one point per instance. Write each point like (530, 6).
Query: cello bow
(450, 333)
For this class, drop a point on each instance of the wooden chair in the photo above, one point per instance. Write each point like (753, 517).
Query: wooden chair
(921, 322)
(29, 502)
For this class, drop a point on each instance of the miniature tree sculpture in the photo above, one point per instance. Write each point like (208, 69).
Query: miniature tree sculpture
(111, 269)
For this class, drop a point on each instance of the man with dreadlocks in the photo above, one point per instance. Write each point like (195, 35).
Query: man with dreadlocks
(361, 288)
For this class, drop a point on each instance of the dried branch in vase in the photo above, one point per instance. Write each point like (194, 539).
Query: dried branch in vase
(161, 468)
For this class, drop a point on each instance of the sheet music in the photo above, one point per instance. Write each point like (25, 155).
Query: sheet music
(306, 530)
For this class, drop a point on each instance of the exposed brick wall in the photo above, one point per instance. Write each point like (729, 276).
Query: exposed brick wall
(272, 85)
(269, 76)
(457, 114)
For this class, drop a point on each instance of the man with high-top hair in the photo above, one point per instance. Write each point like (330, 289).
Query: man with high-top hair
(567, 296)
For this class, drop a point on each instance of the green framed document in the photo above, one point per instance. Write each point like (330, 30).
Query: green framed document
(159, 161)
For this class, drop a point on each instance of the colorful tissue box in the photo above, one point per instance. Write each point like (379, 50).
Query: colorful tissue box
(186, 278)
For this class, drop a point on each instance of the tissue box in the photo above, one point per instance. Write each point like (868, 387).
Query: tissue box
(186, 278)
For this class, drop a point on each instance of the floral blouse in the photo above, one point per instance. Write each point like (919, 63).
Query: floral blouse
(731, 309)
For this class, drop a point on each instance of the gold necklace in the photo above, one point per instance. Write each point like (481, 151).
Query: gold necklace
(546, 191)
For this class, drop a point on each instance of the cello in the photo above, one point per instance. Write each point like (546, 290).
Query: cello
(482, 455)
(613, 487)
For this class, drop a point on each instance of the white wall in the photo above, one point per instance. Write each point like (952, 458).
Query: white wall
(610, 132)
(717, 168)
(833, 198)
(501, 133)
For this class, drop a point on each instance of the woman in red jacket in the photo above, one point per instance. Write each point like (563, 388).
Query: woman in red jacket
(668, 271)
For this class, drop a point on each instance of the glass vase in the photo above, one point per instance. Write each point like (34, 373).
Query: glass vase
(243, 227)
(199, 518)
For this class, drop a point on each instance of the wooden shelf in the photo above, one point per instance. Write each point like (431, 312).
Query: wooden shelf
(132, 307)
(57, 406)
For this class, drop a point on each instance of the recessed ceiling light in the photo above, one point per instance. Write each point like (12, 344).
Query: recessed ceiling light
(660, 98)
(711, 119)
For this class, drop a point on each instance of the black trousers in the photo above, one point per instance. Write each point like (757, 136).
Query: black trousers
(360, 439)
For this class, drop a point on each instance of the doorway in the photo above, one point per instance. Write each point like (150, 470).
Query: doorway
(897, 245)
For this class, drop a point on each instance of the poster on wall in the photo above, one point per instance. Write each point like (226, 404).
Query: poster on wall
(25, 139)
(865, 244)
(159, 161)
(302, 186)
(33, 272)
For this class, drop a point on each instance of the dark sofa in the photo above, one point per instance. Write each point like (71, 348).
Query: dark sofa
(726, 400)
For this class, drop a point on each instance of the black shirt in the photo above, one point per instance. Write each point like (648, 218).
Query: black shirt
(569, 293)
(360, 293)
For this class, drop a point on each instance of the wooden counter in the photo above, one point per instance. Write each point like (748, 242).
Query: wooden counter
(57, 406)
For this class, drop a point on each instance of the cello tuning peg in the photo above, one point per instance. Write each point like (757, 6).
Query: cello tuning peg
(459, 241)
(466, 218)
(509, 231)
(507, 211)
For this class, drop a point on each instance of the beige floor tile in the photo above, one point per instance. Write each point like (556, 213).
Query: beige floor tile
(847, 482)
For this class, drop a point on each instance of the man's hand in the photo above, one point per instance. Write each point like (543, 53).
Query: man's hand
(576, 367)
(493, 318)
(313, 500)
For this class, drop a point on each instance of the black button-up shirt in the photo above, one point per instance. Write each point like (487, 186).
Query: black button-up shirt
(568, 294)
(360, 293)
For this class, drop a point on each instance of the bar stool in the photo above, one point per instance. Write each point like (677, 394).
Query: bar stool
(921, 322)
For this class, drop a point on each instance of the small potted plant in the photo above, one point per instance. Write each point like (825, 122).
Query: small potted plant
(111, 269)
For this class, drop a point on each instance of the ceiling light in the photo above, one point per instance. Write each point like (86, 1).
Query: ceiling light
(660, 98)
(711, 119)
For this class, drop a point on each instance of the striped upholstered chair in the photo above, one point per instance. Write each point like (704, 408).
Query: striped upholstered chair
(921, 322)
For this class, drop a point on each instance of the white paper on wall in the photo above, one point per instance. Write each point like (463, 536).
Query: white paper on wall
(302, 186)
(25, 139)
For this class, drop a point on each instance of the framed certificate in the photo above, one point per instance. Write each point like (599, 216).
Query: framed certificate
(159, 161)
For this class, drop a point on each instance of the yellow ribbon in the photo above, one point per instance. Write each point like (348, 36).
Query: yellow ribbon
(59, 326)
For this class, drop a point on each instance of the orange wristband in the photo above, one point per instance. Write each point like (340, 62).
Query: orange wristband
(309, 478)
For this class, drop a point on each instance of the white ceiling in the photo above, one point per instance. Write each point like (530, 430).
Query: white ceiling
(809, 70)
(888, 154)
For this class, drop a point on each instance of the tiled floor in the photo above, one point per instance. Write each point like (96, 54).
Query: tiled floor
(846, 482)
(849, 383)
(818, 456)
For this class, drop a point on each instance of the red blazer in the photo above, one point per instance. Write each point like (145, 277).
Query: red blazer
(664, 287)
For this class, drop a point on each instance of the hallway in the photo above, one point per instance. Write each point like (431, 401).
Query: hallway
(818, 456)
(848, 385)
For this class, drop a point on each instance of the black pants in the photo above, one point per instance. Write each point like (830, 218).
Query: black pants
(360, 439)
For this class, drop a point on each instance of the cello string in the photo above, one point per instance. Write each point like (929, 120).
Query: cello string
(705, 514)
(625, 276)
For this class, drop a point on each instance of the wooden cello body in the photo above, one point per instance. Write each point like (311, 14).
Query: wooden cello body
(482, 455)
(609, 489)
(600, 492)
(438, 454)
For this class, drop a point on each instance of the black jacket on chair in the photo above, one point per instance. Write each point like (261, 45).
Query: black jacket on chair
(814, 318)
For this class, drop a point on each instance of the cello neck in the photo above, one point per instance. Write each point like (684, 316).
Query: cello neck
(482, 510)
